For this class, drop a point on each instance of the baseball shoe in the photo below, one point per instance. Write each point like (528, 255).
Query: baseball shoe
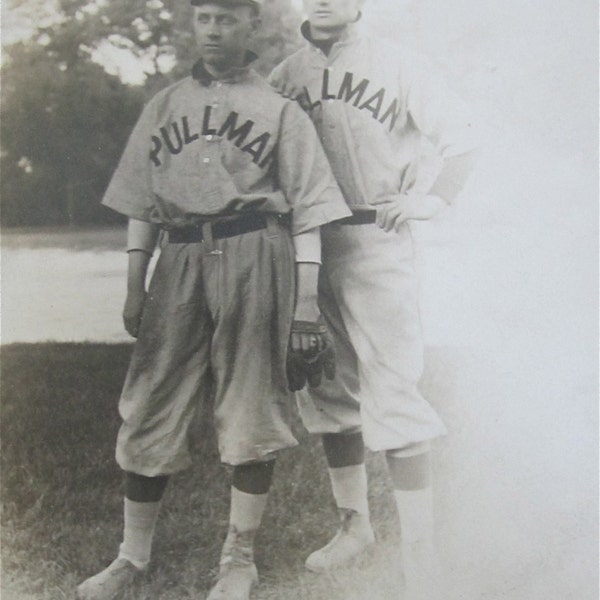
(109, 583)
(352, 539)
(237, 571)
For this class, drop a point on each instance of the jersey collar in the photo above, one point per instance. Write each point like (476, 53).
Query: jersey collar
(236, 74)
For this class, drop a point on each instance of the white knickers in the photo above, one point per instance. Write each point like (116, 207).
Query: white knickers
(369, 297)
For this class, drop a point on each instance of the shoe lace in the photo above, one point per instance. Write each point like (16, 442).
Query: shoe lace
(238, 548)
(346, 516)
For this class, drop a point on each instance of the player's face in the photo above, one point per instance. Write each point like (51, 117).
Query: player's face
(223, 32)
(331, 14)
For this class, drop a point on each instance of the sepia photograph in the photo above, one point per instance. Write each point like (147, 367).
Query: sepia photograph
(299, 300)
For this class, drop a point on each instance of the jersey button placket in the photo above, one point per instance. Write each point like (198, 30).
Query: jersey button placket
(208, 156)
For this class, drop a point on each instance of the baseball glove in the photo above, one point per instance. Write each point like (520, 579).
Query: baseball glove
(309, 365)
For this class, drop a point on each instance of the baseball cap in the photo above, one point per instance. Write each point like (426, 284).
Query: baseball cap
(255, 3)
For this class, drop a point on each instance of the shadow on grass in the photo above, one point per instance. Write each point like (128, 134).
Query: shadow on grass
(62, 496)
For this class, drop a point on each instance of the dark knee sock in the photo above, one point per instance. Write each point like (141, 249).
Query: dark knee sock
(141, 508)
(249, 492)
(410, 472)
(144, 489)
(343, 449)
(254, 478)
(345, 453)
(411, 478)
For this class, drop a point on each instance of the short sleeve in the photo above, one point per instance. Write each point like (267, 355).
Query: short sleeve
(278, 74)
(130, 189)
(304, 173)
(437, 111)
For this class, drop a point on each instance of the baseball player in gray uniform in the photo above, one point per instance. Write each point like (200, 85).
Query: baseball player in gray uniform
(236, 180)
(401, 146)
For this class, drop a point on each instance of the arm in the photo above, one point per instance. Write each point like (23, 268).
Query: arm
(281, 83)
(421, 207)
(442, 117)
(315, 199)
(141, 240)
(308, 260)
(311, 353)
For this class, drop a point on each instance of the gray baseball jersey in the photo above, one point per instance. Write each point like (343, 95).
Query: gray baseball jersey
(218, 312)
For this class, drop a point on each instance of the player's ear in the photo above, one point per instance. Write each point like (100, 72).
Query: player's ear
(359, 7)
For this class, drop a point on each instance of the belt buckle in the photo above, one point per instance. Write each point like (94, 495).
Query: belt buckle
(207, 234)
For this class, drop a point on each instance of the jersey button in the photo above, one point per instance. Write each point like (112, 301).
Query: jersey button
(209, 137)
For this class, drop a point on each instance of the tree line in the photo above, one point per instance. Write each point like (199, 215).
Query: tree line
(64, 119)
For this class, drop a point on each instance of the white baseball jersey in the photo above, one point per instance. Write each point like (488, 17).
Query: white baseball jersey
(379, 111)
(381, 118)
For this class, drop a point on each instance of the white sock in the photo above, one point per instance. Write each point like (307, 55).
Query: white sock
(411, 478)
(349, 487)
(415, 509)
(139, 523)
(246, 510)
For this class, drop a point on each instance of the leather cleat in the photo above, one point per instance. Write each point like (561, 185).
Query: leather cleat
(110, 583)
(237, 571)
(352, 539)
(235, 583)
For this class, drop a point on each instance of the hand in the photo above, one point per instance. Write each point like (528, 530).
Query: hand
(286, 89)
(307, 310)
(308, 366)
(289, 90)
(401, 208)
(132, 312)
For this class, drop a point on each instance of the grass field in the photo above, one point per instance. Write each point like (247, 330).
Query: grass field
(62, 492)
(512, 525)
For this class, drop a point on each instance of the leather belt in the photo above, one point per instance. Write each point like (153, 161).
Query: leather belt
(359, 217)
(219, 229)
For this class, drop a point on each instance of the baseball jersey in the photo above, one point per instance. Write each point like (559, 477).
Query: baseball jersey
(385, 121)
(204, 148)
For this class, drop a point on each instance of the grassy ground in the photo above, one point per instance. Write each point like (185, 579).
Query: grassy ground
(61, 493)
(513, 523)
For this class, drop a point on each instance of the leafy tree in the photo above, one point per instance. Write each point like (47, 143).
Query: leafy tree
(61, 129)
(65, 120)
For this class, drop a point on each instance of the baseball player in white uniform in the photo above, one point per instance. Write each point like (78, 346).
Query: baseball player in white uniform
(381, 116)
(235, 178)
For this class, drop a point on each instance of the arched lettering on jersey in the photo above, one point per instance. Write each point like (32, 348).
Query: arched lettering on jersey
(353, 94)
(346, 92)
(257, 146)
(157, 142)
(156, 146)
(165, 134)
(229, 128)
(178, 135)
(187, 138)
